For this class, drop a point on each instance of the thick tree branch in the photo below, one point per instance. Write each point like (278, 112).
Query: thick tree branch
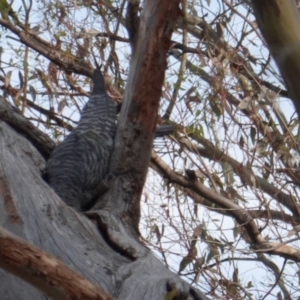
(138, 119)
(267, 214)
(22, 125)
(132, 21)
(45, 272)
(52, 115)
(241, 216)
(31, 209)
(237, 212)
(246, 175)
(279, 21)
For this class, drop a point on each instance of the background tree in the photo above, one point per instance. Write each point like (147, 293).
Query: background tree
(221, 194)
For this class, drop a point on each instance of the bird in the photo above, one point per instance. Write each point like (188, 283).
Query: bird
(77, 168)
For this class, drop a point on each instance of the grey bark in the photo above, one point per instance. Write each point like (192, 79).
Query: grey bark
(104, 251)
(31, 210)
(105, 248)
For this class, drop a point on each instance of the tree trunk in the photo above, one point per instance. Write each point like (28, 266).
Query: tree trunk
(31, 210)
(279, 21)
(105, 248)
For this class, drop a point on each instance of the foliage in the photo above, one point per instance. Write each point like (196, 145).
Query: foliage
(238, 133)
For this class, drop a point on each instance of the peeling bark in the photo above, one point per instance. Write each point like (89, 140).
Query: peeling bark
(138, 118)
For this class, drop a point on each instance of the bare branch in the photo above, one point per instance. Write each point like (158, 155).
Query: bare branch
(15, 119)
(237, 212)
(48, 50)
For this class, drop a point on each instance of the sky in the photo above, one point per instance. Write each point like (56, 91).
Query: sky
(155, 191)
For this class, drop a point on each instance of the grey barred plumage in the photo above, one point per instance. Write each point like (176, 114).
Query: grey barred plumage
(77, 168)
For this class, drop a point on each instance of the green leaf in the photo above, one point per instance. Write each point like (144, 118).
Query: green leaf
(199, 262)
(253, 134)
(184, 263)
(210, 256)
(25, 64)
(21, 79)
(61, 34)
(217, 180)
(235, 275)
(32, 92)
(242, 142)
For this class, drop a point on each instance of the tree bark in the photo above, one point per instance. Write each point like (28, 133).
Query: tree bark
(138, 118)
(105, 249)
(31, 210)
(279, 21)
(44, 272)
